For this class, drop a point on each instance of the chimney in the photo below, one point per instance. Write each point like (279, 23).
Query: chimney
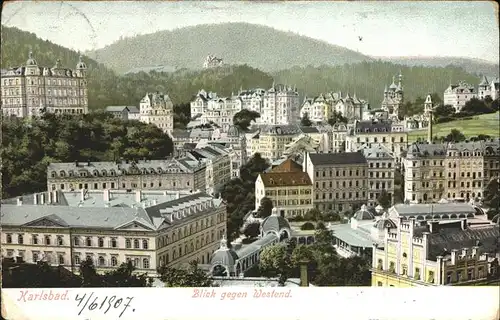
(82, 195)
(42, 198)
(429, 128)
(106, 195)
(138, 196)
(453, 256)
(55, 196)
(177, 195)
(35, 199)
(19, 201)
(304, 280)
(154, 202)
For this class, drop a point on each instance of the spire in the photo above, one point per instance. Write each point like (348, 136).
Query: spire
(393, 79)
(30, 55)
(223, 242)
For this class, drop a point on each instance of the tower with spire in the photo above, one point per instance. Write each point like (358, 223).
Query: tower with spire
(394, 97)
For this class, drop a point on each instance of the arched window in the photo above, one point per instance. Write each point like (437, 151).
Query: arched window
(136, 244)
(128, 244)
(89, 241)
(112, 173)
(20, 239)
(35, 256)
(114, 261)
(62, 173)
(76, 241)
(100, 242)
(53, 174)
(145, 244)
(103, 173)
(60, 240)
(9, 238)
(145, 263)
(167, 259)
(61, 259)
(101, 260)
(47, 240)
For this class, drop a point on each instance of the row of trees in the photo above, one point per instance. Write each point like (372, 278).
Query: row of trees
(28, 146)
(473, 107)
(42, 275)
(325, 267)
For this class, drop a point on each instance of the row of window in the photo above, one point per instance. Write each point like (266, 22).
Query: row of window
(89, 242)
(337, 194)
(383, 140)
(112, 172)
(344, 184)
(338, 173)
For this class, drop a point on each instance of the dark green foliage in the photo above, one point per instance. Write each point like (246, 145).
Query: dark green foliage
(384, 199)
(266, 208)
(492, 198)
(305, 121)
(454, 136)
(28, 147)
(252, 230)
(307, 226)
(336, 117)
(244, 119)
(189, 277)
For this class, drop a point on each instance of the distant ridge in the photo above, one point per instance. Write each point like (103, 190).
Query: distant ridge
(472, 65)
(258, 46)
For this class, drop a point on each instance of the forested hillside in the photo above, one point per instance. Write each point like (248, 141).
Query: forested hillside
(368, 79)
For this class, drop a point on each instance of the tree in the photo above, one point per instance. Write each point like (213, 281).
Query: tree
(444, 111)
(266, 207)
(454, 136)
(492, 198)
(305, 121)
(124, 277)
(337, 117)
(313, 214)
(384, 199)
(189, 277)
(89, 274)
(255, 166)
(475, 106)
(495, 105)
(252, 230)
(244, 118)
(36, 275)
(307, 226)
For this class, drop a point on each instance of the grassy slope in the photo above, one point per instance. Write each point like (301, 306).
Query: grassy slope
(484, 124)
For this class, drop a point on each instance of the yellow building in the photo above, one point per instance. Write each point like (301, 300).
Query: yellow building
(271, 141)
(435, 253)
(288, 187)
(150, 228)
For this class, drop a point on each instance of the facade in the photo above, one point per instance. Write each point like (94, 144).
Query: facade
(217, 165)
(381, 172)
(450, 170)
(235, 143)
(158, 109)
(393, 98)
(252, 100)
(339, 179)
(169, 229)
(489, 88)
(352, 108)
(288, 187)
(281, 106)
(172, 174)
(271, 140)
(31, 90)
(436, 253)
(218, 111)
(390, 134)
(317, 109)
(457, 95)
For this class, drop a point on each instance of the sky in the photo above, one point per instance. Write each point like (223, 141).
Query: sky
(458, 29)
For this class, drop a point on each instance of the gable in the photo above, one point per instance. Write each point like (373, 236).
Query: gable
(134, 226)
(47, 222)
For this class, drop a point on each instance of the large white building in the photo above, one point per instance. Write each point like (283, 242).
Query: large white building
(457, 95)
(209, 108)
(489, 88)
(281, 105)
(31, 90)
(158, 109)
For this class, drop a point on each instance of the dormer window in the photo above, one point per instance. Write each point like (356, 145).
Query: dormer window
(103, 173)
(96, 173)
(112, 173)
(62, 173)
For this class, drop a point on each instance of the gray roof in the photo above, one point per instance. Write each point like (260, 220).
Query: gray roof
(255, 246)
(433, 209)
(133, 109)
(274, 222)
(354, 237)
(286, 129)
(337, 158)
(384, 224)
(180, 134)
(373, 127)
(376, 151)
(488, 239)
(224, 256)
(309, 129)
(364, 214)
(422, 149)
(116, 108)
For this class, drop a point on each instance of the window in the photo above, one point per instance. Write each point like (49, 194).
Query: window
(20, 239)
(76, 241)
(89, 242)
(101, 261)
(470, 274)
(392, 267)
(60, 240)
(47, 240)
(35, 239)
(35, 256)
(9, 238)
(61, 259)
(417, 273)
(136, 262)
(404, 270)
(100, 242)
(145, 244)
(380, 264)
(136, 243)
(113, 242)
(114, 261)
(128, 244)
(448, 277)
(145, 263)
(77, 259)
(379, 284)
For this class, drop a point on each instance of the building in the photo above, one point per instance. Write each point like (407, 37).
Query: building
(271, 140)
(489, 88)
(457, 95)
(339, 179)
(171, 174)
(436, 253)
(208, 108)
(217, 165)
(352, 108)
(212, 61)
(390, 134)
(111, 227)
(318, 109)
(119, 112)
(450, 170)
(288, 187)
(281, 105)
(252, 100)
(158, 109)
(31, 90)
(381, 172)
(235, 142)
(394, 98)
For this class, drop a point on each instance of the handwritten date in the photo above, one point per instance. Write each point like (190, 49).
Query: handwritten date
(104, 304)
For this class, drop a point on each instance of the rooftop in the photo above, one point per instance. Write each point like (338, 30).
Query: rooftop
(348, 158)
(285, 179)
